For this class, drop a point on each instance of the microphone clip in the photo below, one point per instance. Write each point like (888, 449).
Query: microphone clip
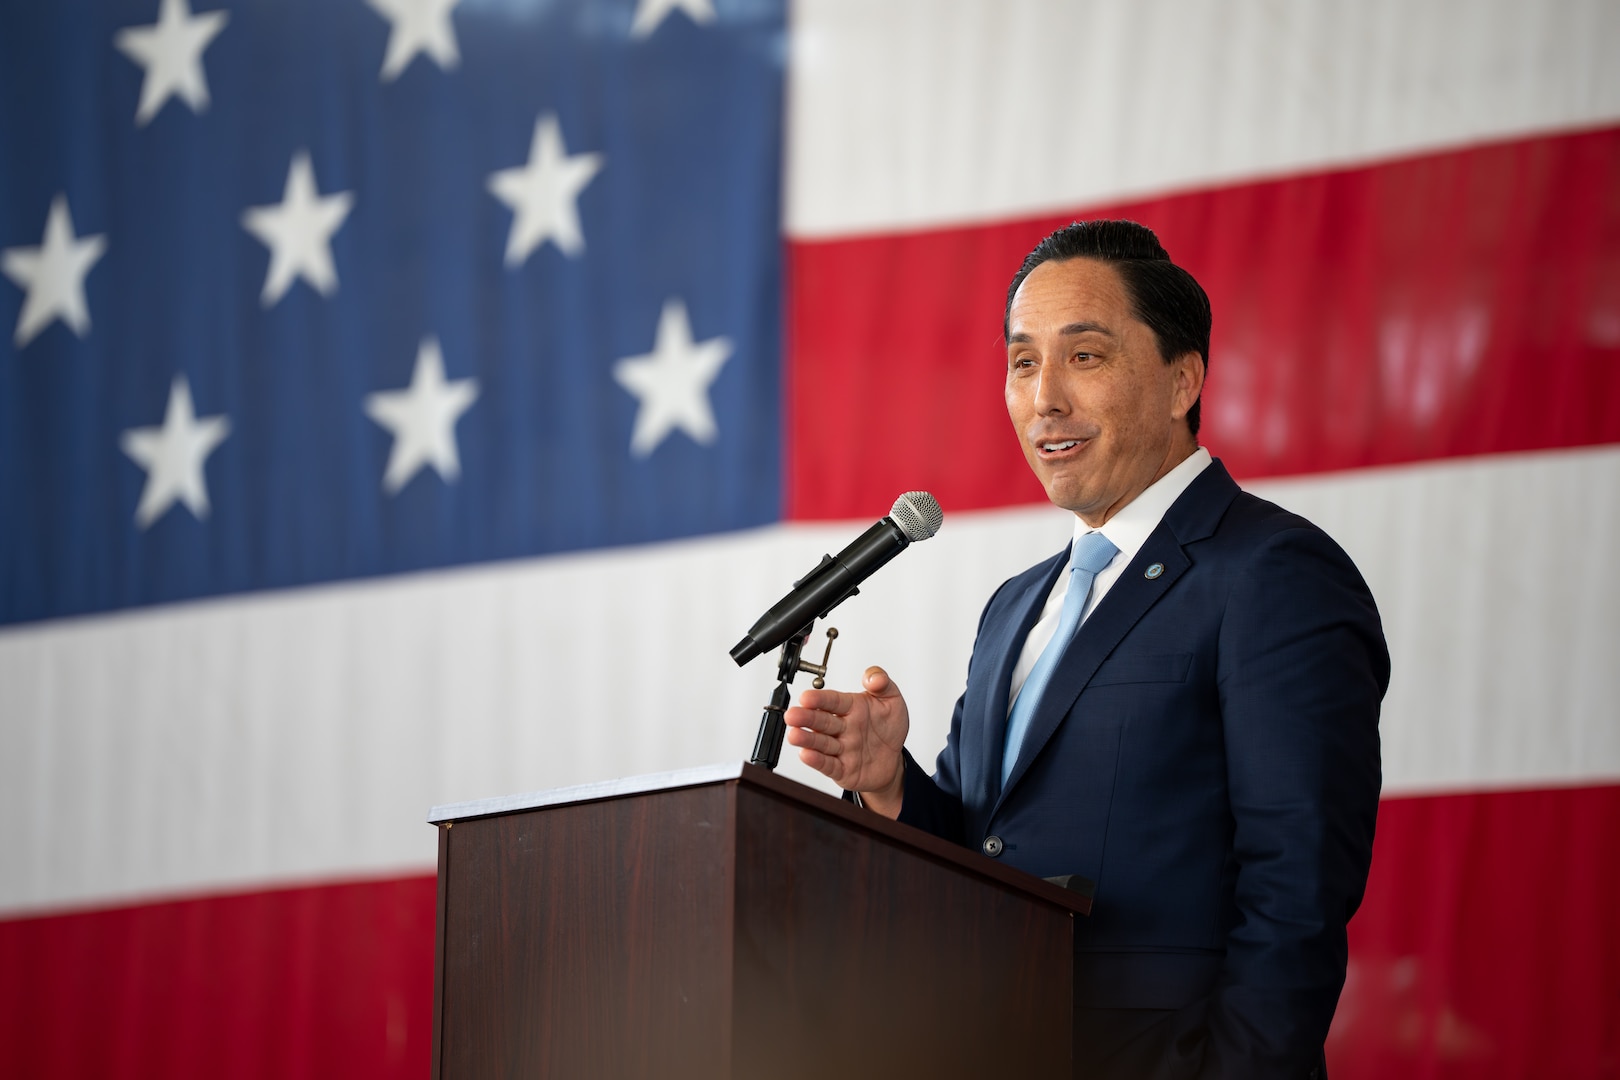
(793, 662)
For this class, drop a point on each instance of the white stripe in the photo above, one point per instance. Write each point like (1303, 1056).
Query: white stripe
(304, 735)
(914, 113)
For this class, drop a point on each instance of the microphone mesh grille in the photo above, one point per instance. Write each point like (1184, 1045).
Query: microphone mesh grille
(918, 515)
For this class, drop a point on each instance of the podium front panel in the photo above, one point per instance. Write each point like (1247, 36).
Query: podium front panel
(736, 925)
(858, 957)
(589, 940)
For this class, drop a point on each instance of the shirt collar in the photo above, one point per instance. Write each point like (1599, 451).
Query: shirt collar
(1130, 527)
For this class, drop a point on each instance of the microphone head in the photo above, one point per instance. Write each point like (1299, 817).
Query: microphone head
(918, 515)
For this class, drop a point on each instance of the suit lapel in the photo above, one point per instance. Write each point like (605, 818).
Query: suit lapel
(1192, 517)
(981, 787)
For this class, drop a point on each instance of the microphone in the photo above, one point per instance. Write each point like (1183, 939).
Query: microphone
(915, 516)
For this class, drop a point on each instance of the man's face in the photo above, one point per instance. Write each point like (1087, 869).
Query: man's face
(1100, 414)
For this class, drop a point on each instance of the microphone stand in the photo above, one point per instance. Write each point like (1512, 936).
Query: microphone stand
(772, 725)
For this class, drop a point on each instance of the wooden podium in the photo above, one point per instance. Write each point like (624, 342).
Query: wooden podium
(725, 922)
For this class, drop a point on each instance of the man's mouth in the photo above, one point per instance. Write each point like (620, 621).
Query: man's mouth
(1052, 447)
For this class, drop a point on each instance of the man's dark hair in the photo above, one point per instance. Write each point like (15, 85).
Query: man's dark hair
(1162, 294)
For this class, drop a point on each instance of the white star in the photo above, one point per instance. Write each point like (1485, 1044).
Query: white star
(423, 419)
(650, 13)
(298, 232)
(171, 52)
(672, 382)
(53, 274)
(173, 456)
(418, 26)
(542, 194)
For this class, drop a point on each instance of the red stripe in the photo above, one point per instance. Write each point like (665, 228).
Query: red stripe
(1447, 305)
(334, 982)
(1487, 946)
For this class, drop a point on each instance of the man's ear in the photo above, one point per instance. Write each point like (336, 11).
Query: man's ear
(1188, 372)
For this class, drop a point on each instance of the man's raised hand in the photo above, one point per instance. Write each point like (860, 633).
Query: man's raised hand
(856, 739)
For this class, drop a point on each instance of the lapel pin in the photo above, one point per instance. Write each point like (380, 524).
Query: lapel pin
(1153, 571)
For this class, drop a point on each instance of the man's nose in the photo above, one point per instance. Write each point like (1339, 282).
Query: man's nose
(1051, 391)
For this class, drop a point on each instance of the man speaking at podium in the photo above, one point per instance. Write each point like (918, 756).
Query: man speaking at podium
(1182, 707)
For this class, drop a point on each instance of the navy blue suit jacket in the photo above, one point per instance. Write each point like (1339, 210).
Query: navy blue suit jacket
(1207, 754)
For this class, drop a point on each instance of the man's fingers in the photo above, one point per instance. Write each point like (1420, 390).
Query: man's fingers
(875, 682)
(832, 701)
(807, 739)
(799, 717)
(831, 768)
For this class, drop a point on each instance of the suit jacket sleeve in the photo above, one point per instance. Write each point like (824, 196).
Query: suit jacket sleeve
(1302, 668)
(929, 804)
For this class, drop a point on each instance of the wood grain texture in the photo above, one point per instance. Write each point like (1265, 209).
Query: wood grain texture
(743, 927)
(443, 883)
(859, 957)
(1077, 900)
(590, 940)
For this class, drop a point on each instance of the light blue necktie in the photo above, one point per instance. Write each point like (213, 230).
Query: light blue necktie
(1091, 553)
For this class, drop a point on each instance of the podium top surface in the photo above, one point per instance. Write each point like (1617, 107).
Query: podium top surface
(756, 776)
(605, 789)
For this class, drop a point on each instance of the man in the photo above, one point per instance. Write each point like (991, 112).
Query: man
(1195, 729)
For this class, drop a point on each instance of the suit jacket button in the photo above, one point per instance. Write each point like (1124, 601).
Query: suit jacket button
(993, 846)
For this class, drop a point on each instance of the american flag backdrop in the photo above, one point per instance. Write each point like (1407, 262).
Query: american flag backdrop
(410, 401)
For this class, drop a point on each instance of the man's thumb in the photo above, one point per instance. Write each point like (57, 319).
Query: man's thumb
(878, 683)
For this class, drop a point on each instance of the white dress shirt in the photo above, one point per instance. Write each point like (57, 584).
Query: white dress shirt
(1127, 530)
